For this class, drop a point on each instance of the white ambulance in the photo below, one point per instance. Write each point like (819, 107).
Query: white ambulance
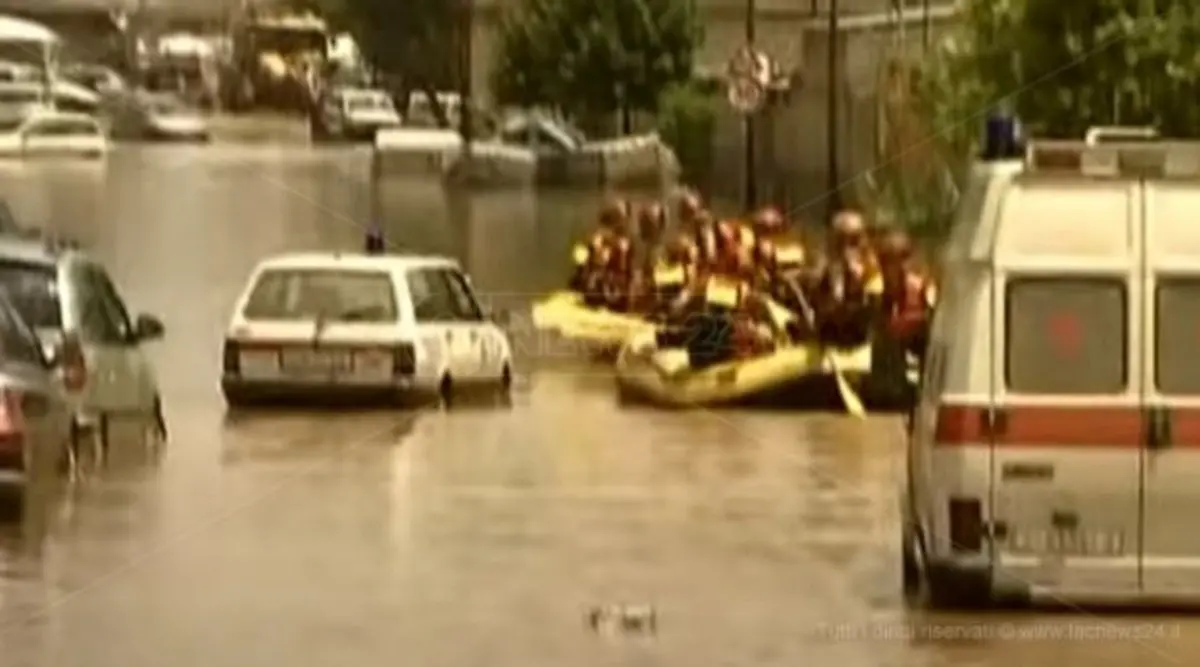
(1055, 447)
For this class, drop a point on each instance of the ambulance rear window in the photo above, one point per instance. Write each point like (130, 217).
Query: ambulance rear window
(1177, 329)
(1066, 336)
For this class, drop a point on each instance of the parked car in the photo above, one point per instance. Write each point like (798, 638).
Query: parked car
(342, 325)
(44, 133)
(97, 78)
(36, 415)
(72, 304)
(353, 113)
(157, 117)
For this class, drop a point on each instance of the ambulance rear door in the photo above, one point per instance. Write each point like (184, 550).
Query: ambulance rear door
(1171, 562)
(1066, 423)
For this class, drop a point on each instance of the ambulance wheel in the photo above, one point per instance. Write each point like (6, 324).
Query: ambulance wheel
(955, 589)
(910, 566)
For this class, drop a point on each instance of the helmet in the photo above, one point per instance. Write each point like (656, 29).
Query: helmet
(614, 212)
(690, 205)
(849, 226)
(768, 220)
(895, 245)
(375, 243)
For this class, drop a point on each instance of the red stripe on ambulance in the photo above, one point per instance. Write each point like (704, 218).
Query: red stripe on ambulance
(1042, 426)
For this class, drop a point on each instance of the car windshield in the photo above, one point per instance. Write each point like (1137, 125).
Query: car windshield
(329, 294)
(18, 343)
(33, 291)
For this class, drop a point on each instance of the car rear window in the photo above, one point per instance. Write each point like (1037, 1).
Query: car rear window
(329, 294)
(1066, 336)
(33, 291)
(17, 342)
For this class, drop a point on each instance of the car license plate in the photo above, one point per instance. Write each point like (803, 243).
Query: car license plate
(1083, 542)
(315, 362)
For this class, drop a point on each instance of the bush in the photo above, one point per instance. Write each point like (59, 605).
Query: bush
(687, 118)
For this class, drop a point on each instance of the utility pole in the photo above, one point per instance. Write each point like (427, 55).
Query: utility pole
(926, 25)
(750, 166)
(833, 109)
(466, 37)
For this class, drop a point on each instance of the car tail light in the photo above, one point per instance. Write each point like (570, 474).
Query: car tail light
(12, 431)
(74, 366)
(966, 525)
(230, 358)
(404, 360)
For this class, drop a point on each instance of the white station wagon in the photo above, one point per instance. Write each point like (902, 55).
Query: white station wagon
(371, 326)
(53, 134)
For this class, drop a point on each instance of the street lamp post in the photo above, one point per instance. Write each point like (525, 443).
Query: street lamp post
(750, 158)
(833, 109)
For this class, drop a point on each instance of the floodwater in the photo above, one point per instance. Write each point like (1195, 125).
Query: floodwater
(470, 537)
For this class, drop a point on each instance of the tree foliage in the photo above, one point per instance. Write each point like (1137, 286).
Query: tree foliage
(587, 57)
(1062, 68)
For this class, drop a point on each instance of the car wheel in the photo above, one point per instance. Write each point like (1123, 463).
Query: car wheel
(506, 378)
(446, 391)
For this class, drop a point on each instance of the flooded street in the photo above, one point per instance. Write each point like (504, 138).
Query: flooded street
(464, 538)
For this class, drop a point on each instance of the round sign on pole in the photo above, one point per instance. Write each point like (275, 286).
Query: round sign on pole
(746, 95)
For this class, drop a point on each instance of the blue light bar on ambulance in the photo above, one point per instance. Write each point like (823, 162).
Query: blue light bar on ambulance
(1001, 138)
(1136, 159)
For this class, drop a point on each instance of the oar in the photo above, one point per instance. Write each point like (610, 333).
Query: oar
(850, 398)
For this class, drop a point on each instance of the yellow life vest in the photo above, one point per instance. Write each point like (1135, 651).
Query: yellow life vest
(780, 316)
(580, 254)
(669, 275)
(874, 285)
(722, 293)
(789, 254)
(746, 236)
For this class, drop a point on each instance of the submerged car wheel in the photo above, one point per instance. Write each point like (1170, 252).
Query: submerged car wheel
(446, 390)
(506, 378)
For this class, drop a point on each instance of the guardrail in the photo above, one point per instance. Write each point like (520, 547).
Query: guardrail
(624, 161)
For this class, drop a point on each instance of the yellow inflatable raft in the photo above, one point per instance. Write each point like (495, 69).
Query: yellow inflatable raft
(564, 313)
(664, 376)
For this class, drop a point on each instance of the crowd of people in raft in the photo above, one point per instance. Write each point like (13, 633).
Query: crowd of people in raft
(729, 289)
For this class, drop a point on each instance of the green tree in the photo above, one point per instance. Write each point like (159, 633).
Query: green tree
(1062, 68)
(415, 44)
(589, 58)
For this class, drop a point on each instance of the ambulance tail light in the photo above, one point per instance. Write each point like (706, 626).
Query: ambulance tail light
(966, 525)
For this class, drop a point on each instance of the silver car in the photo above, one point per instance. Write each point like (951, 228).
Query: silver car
(157, 117)
(73, 306)
(36, 423)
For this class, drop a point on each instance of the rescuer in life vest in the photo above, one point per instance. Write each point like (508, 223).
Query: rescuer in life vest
(593, 258)
(647, 257)
(731, 244)
(680, 266)
(841, 303)
(619, 267)
(754, 326)
(907, 298)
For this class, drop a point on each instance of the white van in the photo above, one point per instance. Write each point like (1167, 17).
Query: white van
(333, 324)
(1055, 445)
